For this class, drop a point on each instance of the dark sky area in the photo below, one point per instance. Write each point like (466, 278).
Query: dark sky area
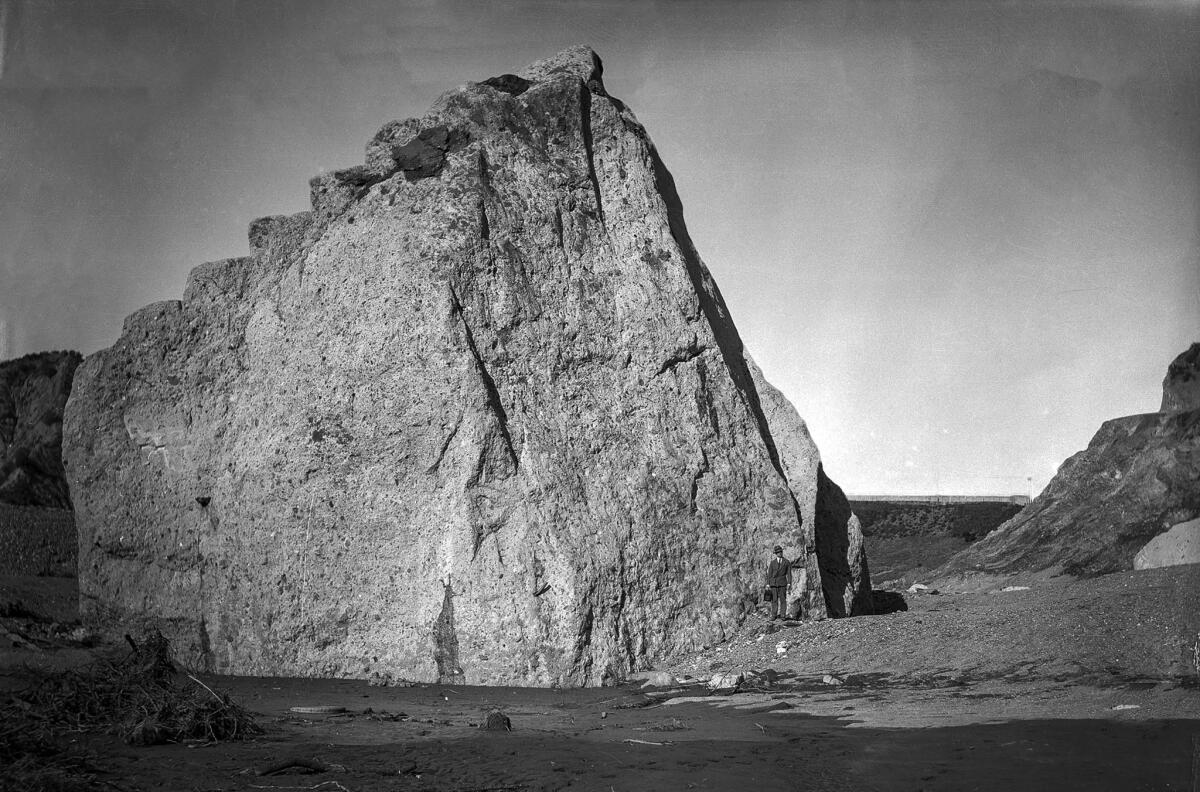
(958, 236)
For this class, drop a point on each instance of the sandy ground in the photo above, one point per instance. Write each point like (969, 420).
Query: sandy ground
(1066, 685)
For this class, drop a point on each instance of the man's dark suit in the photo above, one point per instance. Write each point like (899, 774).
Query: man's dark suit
(778, 572)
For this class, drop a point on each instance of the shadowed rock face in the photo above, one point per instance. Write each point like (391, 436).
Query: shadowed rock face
(33, 393)
(834, 579)
(480, 416)
(841, 554)
(1139, 477)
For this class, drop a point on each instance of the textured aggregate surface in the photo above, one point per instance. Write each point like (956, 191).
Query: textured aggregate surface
(481, 416)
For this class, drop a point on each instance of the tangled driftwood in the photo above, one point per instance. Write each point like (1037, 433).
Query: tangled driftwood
(141, 697)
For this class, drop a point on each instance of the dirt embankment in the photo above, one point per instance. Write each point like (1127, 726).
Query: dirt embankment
(905, 539)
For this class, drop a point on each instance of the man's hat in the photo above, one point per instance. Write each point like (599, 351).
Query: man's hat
(778, 549)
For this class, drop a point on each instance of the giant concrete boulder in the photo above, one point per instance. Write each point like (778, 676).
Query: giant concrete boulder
(832, 575)
(33, 394)
(1177, 546)
(1139, 477)
(480, 416)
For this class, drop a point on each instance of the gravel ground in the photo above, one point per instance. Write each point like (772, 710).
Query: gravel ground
(1116, 629)
(1069, 684)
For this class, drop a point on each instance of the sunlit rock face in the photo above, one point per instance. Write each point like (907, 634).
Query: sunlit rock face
(480, 416)
(1180, 545)
(33, 393)
(1138, 478)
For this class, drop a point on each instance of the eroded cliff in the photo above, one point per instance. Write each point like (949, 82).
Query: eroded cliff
(1137, 479)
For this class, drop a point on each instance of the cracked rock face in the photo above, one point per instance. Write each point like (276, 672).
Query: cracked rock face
(480, 416)
(1137, 479)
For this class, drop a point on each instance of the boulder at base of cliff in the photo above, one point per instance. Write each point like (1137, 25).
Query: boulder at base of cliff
(1180, 545)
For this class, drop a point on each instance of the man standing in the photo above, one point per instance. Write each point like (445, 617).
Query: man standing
(778, 573)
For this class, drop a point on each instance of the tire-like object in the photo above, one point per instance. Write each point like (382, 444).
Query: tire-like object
(318, 710)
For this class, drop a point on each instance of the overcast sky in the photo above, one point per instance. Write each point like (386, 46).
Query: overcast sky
(958, 236)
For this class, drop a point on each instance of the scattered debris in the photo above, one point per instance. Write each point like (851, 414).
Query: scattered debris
(322, 785)
(1126, 707)
(304, 765)
(385, 679)
(659, 679)
(726, 683)
(32, 760)
(139, 698)
(18, 640)
(318, 710)
(830, 679)
(781, 648)
(1015, 588)
(921, 588)
(669, 725)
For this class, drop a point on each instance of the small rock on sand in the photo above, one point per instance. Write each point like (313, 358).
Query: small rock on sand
(496, 721)
(659, 679)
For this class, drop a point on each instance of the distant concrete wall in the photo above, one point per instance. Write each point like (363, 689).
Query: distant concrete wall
(1020, 500)
(37, 541)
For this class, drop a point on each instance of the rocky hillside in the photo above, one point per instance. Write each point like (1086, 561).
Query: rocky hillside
(33, 393)
(967, 521)
(1137, 479)
(910, 539)
(480, 416)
